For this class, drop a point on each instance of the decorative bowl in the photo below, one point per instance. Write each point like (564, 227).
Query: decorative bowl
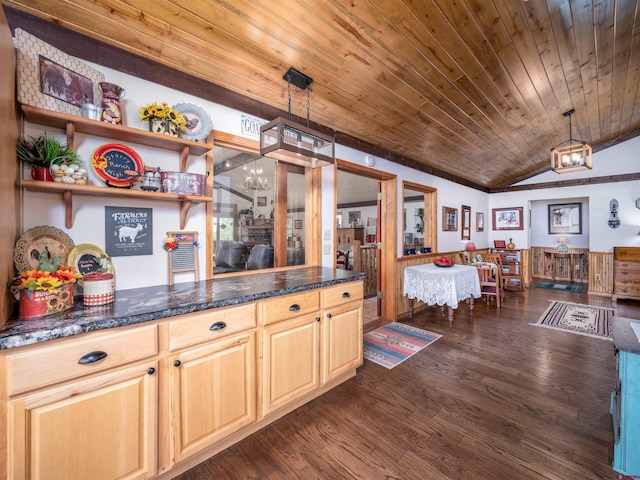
(443, 265)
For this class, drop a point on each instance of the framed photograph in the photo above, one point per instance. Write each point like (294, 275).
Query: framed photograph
(449, 219)
(262, 201)
(466, 222)
(298, 225)
(354, 218)
(50, 79)
(565, 218)
(479, 221)
(507, 218)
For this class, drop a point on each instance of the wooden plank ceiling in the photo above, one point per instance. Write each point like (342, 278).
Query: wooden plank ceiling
(470, 89)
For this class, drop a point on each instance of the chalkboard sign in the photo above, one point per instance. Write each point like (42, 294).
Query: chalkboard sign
(184, 258)
(128, 231)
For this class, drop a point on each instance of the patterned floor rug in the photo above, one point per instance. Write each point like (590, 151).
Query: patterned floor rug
(392, 344)
(565, 287)
(577, 318)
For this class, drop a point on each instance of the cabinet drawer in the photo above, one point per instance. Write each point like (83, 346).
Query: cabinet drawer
(626, 290)
(626, 253)
(209, 325)
(628, 266)
(43, 365)
(289, 306)
(343, 293)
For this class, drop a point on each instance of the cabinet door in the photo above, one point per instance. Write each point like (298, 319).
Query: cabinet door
(101, 428)
(291, 365)
(212, 392)
(342, 340)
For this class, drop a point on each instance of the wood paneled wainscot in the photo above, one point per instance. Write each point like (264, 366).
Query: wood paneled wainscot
(154, 399)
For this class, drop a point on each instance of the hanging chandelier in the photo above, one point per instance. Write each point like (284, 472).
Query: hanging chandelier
(291, 142)
(254, 181)
(571, 155)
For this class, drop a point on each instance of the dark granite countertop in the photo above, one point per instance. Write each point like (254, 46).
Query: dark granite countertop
(140, 305)
(624, 338)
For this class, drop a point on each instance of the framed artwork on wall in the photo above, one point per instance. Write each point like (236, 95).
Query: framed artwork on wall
(354, 218)
(507, 218)
(565, 218)
(449, 219)
(479, 221)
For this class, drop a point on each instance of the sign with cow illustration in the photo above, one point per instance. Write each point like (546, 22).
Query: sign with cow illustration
(128, 231)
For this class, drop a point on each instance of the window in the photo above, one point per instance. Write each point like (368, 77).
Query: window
(419, 224)
(258, 202)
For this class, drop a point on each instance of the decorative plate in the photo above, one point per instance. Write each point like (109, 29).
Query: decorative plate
(198, 122)
(117, 165)
(82, 258)
(26, 254)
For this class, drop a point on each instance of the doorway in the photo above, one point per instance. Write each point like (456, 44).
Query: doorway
(364, 198)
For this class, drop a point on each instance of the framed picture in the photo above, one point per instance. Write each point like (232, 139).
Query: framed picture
(298, 225)
(449, 219)
(128, 231)
(479, 221)
(565, 218)
(354, 218)
(466, 222)
(49, 78)
(262, 201)
(507, 218)
(339, 219)
(408, 238)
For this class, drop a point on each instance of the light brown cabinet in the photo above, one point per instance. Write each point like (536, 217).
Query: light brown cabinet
(626, 273)
(101, 425)
(156, 399)
(346, 236)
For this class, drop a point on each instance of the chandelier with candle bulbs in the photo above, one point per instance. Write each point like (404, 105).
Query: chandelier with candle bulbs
(254, 181)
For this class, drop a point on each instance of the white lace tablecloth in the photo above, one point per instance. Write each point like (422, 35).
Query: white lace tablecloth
(441, 286)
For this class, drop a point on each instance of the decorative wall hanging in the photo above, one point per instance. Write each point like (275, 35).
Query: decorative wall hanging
(37, 59)
(614, 221)
(565, 218)
(128, 231)
(183, 257)
(507, 218)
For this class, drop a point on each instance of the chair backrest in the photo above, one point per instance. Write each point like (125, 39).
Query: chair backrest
(261, 256)
(231, 255)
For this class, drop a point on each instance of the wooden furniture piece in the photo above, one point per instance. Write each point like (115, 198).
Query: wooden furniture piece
(625, 399)
(73, 124)
(626, 273)
(154, 399)
(346, 236)
(441, 286)
(512, 274)
(490, 282)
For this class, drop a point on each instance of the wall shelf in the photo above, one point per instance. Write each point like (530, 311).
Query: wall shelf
(72, 124)
(69, 190)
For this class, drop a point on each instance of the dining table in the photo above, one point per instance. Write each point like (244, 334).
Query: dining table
(442, 286)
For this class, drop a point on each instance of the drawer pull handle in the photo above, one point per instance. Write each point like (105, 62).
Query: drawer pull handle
(92, 357)
(317, 319)
(329, 315)
(151, 371)
(346, 295)
(177, 363)
(218, 326)
(294, 308)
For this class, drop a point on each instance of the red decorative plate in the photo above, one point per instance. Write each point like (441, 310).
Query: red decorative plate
(117, 165)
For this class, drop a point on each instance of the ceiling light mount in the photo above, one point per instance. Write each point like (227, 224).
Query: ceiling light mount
(291, 142)
(571, 155)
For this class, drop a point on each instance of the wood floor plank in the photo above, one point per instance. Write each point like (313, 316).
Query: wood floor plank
(494, 398)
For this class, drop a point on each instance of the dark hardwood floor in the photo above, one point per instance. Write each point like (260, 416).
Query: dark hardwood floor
(494, 398)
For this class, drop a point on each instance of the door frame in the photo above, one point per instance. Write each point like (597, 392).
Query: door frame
(387, 231)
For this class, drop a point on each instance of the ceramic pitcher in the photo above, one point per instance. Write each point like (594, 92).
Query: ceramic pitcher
(110, 105)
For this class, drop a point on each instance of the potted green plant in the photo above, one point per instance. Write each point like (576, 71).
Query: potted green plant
(42, 152)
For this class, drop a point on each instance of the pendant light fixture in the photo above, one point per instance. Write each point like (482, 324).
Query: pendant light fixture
(291, 142)
(571, 155)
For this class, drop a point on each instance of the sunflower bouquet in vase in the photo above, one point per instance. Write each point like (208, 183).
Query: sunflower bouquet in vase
(45, 290)
(163, 119)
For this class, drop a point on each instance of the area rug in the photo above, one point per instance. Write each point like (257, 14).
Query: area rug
(577, 318)
(392, 344)
(565, 287)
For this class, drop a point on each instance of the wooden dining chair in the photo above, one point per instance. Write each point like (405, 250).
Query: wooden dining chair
(490, 282)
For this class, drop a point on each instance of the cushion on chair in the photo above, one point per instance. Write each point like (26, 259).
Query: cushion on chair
(230, 257)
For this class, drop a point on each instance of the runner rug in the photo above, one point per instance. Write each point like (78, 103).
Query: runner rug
(577, 318)
(394, 343)
(565, 287)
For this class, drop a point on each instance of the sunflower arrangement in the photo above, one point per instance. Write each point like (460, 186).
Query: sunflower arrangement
(44, 281)
(162, 110)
